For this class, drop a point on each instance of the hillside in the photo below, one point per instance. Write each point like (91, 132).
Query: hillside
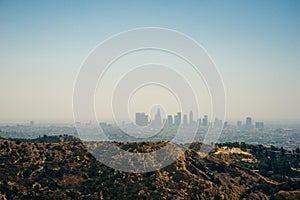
(65, 170)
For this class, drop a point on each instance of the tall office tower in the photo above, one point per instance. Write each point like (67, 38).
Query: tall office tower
(141, 119)
(157, 118)
(248, 124)
(259, 125)
(191, 117)
(199, 121)
(248, 121)
(170, 120)
(177, 119)
(239, 124)
(185, 120)
(217, 122)
(262, 125)
(225, 124)
(256, 124)
(205, 120)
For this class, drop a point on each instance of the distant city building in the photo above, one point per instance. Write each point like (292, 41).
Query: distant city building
(157, 119)
(225, 124)
(170, 120)
(103, 124)
(191, 117)
(259, 125)
(218, 123)
(262, 125)
(164, 123)
(248, 124)
(177, 119)
(141, 119)
(199, 121)
(185, 120)
(248, 121)
(205, 120)
(239, 124)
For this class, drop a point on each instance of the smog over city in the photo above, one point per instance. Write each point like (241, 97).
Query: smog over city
(150, 99)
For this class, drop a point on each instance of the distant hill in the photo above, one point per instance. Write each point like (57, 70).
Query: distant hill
(63, 169)
(47, 139)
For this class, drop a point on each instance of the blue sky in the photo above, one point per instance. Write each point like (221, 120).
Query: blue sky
(255, 44)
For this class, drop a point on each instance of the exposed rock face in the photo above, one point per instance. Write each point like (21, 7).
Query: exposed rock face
(66, 170)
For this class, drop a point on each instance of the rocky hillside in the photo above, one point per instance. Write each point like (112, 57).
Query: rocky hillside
(65, 170)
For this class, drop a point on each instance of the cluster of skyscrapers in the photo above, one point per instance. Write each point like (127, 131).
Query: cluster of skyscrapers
(142, 119)
(249, 124)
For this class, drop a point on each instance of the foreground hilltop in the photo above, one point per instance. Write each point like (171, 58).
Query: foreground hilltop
(62, 168)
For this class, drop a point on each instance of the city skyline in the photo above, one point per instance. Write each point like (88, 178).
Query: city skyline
(255, 45)
(143, 119)
(135, 99)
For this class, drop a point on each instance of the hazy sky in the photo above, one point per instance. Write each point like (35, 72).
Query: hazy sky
(255, 44)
